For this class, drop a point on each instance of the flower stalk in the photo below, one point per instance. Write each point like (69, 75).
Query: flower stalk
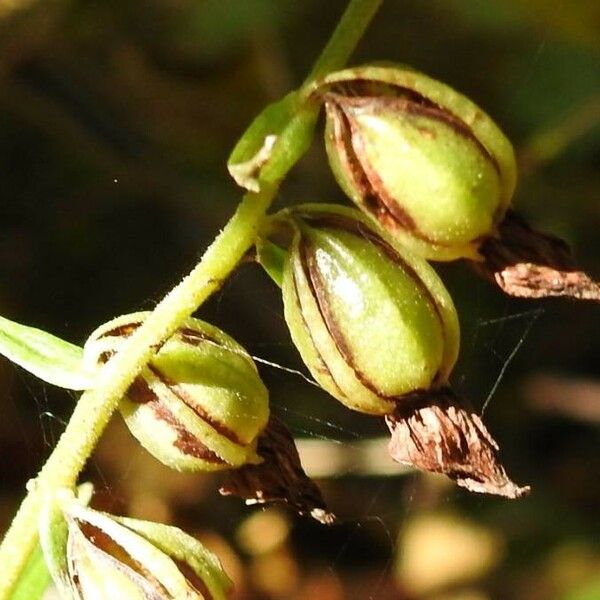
(96, 406)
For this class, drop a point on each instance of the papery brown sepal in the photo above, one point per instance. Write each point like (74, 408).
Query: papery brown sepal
(527, 263)
(279, 478)
(435, 431)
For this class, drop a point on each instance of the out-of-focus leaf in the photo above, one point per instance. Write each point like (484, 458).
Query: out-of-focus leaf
(214, 25)
(590, 591)
(576, 19)
(43, 354)
(561, 77)
(493, 16)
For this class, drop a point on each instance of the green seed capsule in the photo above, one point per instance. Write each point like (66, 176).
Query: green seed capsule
(199, 404)
(419, 158)
(93, 555)
(371, 321)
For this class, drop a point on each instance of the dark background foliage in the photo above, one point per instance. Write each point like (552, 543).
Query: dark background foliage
(116, 119)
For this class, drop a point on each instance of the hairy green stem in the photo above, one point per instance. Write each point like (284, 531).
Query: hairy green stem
(96, 406)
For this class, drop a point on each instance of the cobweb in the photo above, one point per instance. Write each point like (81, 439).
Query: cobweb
(390, 494)
(496, 340)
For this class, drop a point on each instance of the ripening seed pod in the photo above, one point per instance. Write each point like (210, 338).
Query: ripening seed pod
(92, 555)
(199, 404)
(427, 164)
(371, 321)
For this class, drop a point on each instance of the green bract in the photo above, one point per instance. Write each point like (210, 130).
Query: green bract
(199, 404)
(371, 321)
(46, 356)
(94, 555)
(273, 142)
(421, 159)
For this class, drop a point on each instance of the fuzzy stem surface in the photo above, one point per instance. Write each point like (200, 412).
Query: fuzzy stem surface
(96, 406)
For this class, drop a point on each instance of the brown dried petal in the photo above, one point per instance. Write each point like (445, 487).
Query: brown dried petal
(434, 431)
(530, 264)
(279, 478)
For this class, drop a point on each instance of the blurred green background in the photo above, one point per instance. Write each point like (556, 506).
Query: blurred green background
(116, 120)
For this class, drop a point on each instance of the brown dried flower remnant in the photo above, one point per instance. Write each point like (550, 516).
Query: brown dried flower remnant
(279, 478)
(526, 263)
(435, 431)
